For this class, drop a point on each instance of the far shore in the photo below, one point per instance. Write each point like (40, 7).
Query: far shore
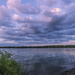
(51, 46)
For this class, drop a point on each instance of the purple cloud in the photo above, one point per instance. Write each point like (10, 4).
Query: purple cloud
(21, 8)
(51, 25)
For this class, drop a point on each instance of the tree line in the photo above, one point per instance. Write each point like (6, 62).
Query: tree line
(51, 46)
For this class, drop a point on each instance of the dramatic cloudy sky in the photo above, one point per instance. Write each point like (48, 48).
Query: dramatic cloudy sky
(37, 22)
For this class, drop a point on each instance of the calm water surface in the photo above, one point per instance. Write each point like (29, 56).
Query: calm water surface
(45, 61)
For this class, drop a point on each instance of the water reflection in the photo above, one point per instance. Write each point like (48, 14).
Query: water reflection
(45, 61)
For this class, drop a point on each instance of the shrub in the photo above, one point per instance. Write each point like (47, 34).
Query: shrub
(8, 66)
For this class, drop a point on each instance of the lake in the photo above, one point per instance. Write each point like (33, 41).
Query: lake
(44, 61)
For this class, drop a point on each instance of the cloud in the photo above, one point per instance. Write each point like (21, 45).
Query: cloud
(30, 19)
(52, 12)
(59, 27)
(4, 13)
(53, 25)
(5, 17)
(21, 8)
(70, 42)
(50, 2)
(66, 2)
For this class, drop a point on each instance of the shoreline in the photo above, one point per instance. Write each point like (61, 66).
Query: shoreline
(46, 46)
(69, 72)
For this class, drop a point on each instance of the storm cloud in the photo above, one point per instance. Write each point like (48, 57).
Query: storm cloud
(46, 23)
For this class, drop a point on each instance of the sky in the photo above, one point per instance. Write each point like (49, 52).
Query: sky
(37, 22)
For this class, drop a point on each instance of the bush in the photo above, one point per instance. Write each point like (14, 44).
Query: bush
(9, 66)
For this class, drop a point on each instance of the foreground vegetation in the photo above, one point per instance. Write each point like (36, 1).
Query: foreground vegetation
(8, 66)
(51, 46)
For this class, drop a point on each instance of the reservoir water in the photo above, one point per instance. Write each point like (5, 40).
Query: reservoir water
(44, 61)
